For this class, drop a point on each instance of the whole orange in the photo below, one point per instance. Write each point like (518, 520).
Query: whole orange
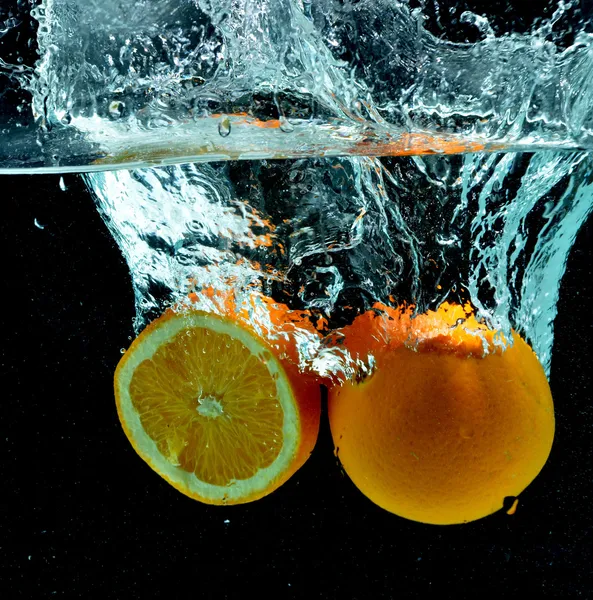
(441, 432)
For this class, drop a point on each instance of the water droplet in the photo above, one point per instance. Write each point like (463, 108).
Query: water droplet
(224, 127)
(122, 350)
(66, 119)
(62, 184)
(116, 109)
(38, 224)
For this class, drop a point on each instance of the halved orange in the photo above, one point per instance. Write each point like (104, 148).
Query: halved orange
(209, 406)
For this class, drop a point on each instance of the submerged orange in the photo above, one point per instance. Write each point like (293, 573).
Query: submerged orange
(207, 403)
(448, 424)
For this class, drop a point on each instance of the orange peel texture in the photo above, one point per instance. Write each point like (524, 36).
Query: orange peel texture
(449, 423)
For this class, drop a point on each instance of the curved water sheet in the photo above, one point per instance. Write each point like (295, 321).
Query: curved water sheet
(96, 84)
(334, 236)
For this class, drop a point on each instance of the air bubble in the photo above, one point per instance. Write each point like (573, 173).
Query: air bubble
(116, 109)
(356, 106)
(224, 127)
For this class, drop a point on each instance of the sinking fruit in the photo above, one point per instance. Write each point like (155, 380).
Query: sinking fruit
(448, 424)
(208, 405)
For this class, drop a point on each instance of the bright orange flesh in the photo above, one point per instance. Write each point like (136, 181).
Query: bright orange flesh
(166, 393)
(206, 411)
(440, 434)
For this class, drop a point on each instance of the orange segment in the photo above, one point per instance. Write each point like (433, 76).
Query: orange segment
(207, 405)
(441, 433)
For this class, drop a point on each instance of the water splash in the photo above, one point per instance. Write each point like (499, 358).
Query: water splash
(522, 234)
(334, 236)
(153, 82)
(407, 138)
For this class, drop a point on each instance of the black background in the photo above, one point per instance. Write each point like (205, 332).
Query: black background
(81, 516)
